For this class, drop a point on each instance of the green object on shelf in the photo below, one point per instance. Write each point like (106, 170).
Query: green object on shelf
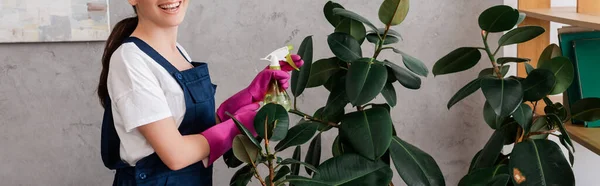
(587, 55)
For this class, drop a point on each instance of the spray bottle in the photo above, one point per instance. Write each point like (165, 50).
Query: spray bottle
(275, 94)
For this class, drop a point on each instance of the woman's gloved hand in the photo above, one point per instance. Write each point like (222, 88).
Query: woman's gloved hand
(256, 91)
(220, 137)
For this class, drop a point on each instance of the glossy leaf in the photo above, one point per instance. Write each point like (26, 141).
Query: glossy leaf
(245, 131)
(294, 162)
(337, 78)
(373, 38)
(321, 71)
(464, 92)
(313, 155)
(491, 71)
(352, 169)
(335, 118)
(272, 122)
(336, 148)
(524, 117)
(509, 129)
(344, 46)
(541, 124)
(562, 69)
(329, 15)
(550, 52)
(296, 156)
(540, 162)
(337, 100)
(498, 18)
(538, 84)
(471, 166)
(570, 149)
(413, 64)
(365, 80)
(586, 109)
(297, 135)
(504, 95)
(389, 93)
(522, 17)
(369, 131)
(244, 150)
(242, 176)
(458, 60)
(304, 181)
(230, 160)
(491, 150)
(490, 116)
(485, 176)
(281, 173)
(528, 68)
(406, 78)
(355, 28)
(349, 14)
(561, 127)
(504, 60)
(390, 32)
(300, 78)
(393, 12)
(520, 35)
(415, 166)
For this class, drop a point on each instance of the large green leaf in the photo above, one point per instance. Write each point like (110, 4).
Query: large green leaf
(389, 93)
(335, 79)
(337, 100)
(365, 80)
(561, 127)
(550, 52)
(336, 147)
(335, 117)
(538, 84)
(300, 78)
(352, 169)
(294, 161)
(297, 135)
(498, 18)
(413, 64)
(540, 124)
(504, 95)
(491, 150)
(504, 60)
(321, 71)
(230, 160)
(415, 166)
(272, 122)
(281, 173)
(244, 150)
(528, 68)
(492, 72)
(520, 35)
(353, 27)
(473, 160)
(374, 38)
(405, 77)
(524, 117)
(586, 109)
(304, 181)
(490, 116)
(328, 11)
(349, 14)
(562, 69)
(244, 131)
(296, 156)
(390, 32)
(484, 176)
(540, 162)
(368, 131)
(393, 12)
(313, 155)
(344, 46)
(242, 176)
(458, 60)
(464, 92)
(522, 17)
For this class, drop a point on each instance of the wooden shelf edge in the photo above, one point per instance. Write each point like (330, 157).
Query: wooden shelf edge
(587, 137)
(565, 15)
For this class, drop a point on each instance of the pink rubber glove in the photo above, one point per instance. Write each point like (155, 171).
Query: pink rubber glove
(220, 137)
(256, 91)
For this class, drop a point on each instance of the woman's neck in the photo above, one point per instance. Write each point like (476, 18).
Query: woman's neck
(160, 38)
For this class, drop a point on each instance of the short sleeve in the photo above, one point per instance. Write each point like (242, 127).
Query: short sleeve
(135, 92)
(184, 52)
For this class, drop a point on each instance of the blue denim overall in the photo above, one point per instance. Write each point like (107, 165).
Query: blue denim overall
(200, 115)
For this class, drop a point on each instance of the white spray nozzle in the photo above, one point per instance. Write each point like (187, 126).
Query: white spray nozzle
(277, 55)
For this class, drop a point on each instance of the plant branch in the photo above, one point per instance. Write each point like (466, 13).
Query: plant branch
(380, 44)
(270, 163)
(484, 36)
(309, 117)
(257, 176)
(295, 105)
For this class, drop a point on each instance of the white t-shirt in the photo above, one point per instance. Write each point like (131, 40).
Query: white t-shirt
(141, 92)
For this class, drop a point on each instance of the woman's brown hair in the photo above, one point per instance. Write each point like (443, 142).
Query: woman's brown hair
(120, 32)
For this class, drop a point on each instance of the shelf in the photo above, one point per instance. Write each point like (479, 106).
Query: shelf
(587, 137)
(565, 15)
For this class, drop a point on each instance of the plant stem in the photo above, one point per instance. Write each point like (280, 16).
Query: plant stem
(380, 44)
(270, 161)
(257, 176)
(484, 36)
(311, 118)
(295, 100)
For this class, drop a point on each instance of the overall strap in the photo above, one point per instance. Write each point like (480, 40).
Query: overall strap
(153, 54)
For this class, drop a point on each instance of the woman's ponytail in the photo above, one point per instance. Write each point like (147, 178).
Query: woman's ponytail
(120, 32)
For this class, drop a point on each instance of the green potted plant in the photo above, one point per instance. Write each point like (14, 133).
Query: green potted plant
(534, 159)
(366, 144)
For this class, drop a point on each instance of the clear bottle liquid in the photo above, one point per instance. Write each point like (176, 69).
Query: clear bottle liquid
(275, 94)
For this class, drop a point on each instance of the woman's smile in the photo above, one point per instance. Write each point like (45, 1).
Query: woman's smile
(170, 7)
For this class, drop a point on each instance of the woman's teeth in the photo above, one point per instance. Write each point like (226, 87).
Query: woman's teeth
(170, 6)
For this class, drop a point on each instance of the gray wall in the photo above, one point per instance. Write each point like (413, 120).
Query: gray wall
(50, 117)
